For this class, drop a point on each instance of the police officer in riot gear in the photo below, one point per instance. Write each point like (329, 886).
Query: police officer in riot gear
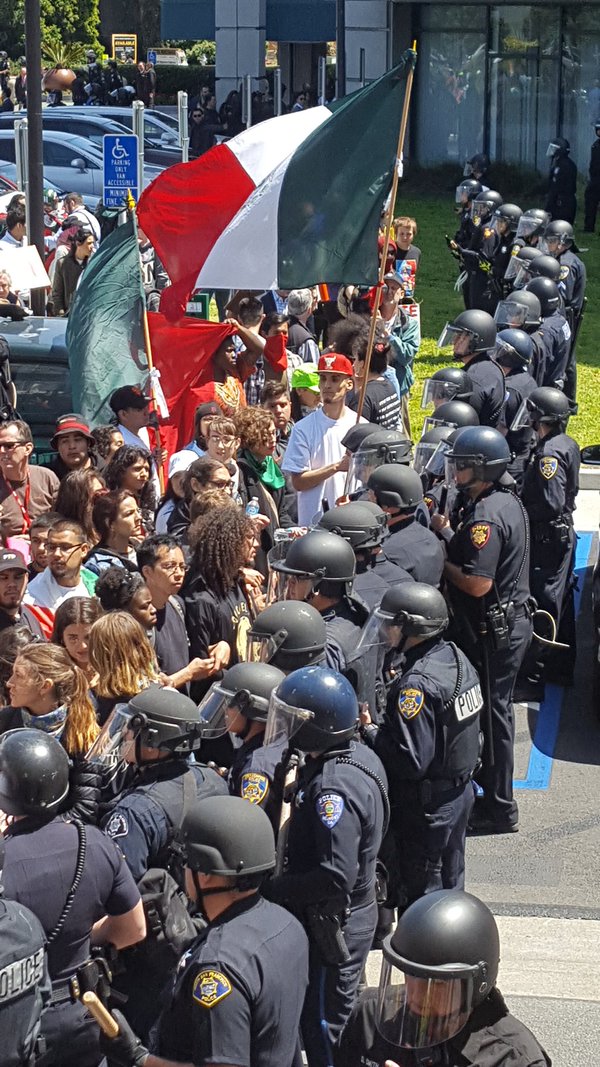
(70, 877)
(287, 635)
(448, 383)
(505, 221)
(437, 1003)
(544, 266)
(477, 258)
(429, 741)
(592, 189)
(487, 575)
(466, 191)
(477, 167)
(516, 274)
(335, 832)
(473, 336)
(453, 413)
(552, 338)
(364, 526)
(238, 703)
(561, 201)
(238, 991)
(377, 450)
(399, 491)
(531, 226)
(513, 353)
(549, 493)
(25, 987)
(559, 241)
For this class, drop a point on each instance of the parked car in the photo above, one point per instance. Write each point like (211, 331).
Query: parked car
(70, 162)
(8, 180)
(93, 124)
(160, 129)
(39, 365)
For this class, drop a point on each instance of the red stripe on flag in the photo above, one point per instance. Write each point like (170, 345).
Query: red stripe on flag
(213, 187)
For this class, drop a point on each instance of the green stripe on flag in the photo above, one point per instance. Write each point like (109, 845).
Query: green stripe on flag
(105, 338)
(335, 186)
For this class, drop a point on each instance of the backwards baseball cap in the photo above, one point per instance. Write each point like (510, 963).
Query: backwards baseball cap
(335, 363)
(128, 396)
(210, 408)
(71, 423)
(305, 379)
(393, 276)
(11, 561)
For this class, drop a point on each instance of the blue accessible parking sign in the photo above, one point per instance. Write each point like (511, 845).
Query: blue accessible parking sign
(120, 168)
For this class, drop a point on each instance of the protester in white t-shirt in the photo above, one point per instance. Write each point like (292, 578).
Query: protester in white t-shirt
(66, 548)
(315, 456)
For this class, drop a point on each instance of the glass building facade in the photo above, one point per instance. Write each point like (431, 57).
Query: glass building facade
(505, 79)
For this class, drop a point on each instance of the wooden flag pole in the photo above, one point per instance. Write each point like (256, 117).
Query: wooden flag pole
(388, 227)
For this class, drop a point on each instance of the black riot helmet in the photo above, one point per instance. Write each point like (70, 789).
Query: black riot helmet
(509, 215)
(244, 690)
(558, 236)
(480, 449)
(227, 836)
(477, 165)
(383, 446)
(354, 437)
(521, 309)
(545, 405)
(559, 146)
(517, 270)
(315, 709)
(453, 413)
(547, 294)
(322, 556)
(514, 349)
(34, 773)
(467, 190)
(479, 327)
(449, 941)
(427, 446)
(164, 719)
(543, 266)
(419, 609)
(358, 523)
(396, 486)
(448, 383)
(287, 635)
(532, 223)
(484, 205)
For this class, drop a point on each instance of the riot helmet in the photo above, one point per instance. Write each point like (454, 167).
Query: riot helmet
(547, 293)
(559, 146)
(448, 383)
(517, 270)
(484, 204)
(427, 446)
(466, 191)
(409, 609)
(396, 486)
(544, 266)
(558, 236)
(480, 449)
(505, 219)
(454, 413)
(354, 437)
(244, 692)
(544, 406)
(287, 635)
(358, 523)
(532, 223)
(439, 964)
(34, 773)
(156, 718)
(521, 309)
(314, 709)
(477, 326)
(383, 446)
(229, 837)
(322, 561)
(477, 164)
(514, 349)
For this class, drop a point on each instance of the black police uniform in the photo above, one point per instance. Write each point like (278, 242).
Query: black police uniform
(552, 344)
(561, 202)
(592, 189)
(519, 385)
(487, 397)
(253, 775)
(429, 745)
(39, 871)
(492, 1037)
(374, 578)
(572, 284)
(24, 981)
(335, 833)
(146, 817)
(239, 990)
(416, 549)
(477, 261)
(492, 541)
(549, 490)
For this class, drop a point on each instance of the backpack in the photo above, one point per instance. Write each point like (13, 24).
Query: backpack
(8, 393)
(170, 927)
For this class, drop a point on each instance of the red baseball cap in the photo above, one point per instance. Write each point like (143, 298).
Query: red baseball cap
(71, 423)
(335, 363)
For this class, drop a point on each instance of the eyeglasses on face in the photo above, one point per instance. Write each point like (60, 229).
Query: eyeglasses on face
(9, 446)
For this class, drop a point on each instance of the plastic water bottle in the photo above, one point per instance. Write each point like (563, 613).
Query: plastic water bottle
(253, 507)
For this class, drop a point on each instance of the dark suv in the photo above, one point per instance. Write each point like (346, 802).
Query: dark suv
(39, 366)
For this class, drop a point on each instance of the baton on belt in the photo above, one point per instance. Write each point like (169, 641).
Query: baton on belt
(101, 1014)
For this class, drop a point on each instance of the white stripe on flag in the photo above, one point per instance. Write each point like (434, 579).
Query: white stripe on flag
(264, 146)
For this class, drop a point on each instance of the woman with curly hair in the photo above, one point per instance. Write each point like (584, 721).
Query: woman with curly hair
(73, 621)
(76, 496)
(261, 477)
(216, 605)
(116, 521)
(12, 641)
(123, 659)
(129, 469)
(203, 473)
(49, 692)
(121, 590)
(107, 440)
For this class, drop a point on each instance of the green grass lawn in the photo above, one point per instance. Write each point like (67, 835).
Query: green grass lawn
(439, 302)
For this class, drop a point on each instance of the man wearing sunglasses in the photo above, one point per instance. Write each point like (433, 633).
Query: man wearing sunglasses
(25, 491)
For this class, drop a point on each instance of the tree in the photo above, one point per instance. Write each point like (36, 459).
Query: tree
(63, 21)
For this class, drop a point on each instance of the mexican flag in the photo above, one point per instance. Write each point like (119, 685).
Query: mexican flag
(105, 338)
(291, 202)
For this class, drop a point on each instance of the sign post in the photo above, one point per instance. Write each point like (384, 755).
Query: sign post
(184, 133)
(121, 170)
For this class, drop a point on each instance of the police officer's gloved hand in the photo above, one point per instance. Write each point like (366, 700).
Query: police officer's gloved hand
(125, 1049)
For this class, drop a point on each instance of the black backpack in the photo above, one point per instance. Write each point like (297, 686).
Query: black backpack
(8, 393)
(170, 927)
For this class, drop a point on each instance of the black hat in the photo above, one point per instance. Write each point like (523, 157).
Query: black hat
(128, 396)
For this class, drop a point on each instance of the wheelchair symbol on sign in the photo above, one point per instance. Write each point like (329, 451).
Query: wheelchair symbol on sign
(119, 151)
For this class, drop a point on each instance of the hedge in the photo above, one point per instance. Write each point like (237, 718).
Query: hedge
(170, 79)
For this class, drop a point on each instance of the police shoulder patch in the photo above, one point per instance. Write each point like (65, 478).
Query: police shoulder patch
(548, 467)
(410, 702)
(564, 273)
(480, 534)
(210, 987)
(254, 787)
(117, 826)
(329, 809)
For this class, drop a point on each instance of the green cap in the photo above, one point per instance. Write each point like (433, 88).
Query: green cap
(305, 379)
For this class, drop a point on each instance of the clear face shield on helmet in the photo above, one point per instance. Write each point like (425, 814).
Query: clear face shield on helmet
(437, 392)
(419, 1011)
(463, 193)
(283, 721)
(282, 585)
(423, 452)
(431, 423)
(510, 313)
(480, 211)
(553, 245)
(436, 464)
(362, 464)
(379, 635)
(220, 709)
(523, 418)
(116, 740)
(552, 149)
(450, 334)
(527, 226)
(454, 466)
(522, 277)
